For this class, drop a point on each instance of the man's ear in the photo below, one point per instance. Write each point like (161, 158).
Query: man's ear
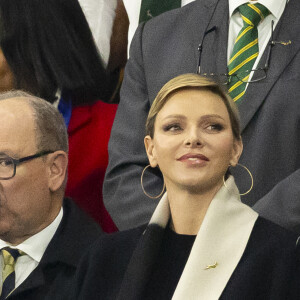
(150, 149)
(236, 152)
(58, 164)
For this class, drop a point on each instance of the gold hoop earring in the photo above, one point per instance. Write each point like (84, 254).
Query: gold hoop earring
(251, 187)
(152, 197)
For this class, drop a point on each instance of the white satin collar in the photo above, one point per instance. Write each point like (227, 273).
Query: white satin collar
(222, 239)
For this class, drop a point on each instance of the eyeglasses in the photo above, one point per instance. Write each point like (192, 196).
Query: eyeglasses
(258, 74)
(8, 164)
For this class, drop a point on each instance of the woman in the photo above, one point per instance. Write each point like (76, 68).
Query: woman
(201, 242)
(47, 49)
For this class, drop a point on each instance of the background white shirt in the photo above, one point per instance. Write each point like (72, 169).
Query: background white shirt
(100, 15)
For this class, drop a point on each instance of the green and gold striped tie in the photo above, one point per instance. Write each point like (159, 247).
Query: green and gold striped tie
(245, 50)
(8, 273)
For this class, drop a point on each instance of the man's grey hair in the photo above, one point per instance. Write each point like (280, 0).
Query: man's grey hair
(51, 131)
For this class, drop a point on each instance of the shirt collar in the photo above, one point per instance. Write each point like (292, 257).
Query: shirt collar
(36, 245)
(276, 7)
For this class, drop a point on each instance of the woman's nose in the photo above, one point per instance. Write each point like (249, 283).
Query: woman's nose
(193, 138)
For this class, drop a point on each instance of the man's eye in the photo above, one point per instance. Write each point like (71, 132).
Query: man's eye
(5, 162)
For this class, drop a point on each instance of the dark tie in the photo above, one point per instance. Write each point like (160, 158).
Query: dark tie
(245, 50)
(153, 8)
(8, 273)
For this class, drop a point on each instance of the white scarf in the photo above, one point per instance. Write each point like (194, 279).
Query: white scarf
(222, 239)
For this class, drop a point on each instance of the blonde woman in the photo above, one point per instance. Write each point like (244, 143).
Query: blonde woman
(202, 242)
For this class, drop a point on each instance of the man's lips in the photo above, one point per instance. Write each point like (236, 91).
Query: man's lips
(193, 157)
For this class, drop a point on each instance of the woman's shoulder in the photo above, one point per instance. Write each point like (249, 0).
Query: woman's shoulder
(268, 268)
(274, 233)
(271, 240)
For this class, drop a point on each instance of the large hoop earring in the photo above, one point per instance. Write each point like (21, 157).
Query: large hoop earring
(251, 187)
(152, 197)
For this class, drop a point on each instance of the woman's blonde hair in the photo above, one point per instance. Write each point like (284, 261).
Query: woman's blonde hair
(192, 81)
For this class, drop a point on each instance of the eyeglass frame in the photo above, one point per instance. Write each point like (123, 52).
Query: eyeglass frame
(270, 44)
(17, 162)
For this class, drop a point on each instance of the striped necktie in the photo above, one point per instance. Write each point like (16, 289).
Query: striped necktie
(153, 8)
(8, 273)
(245, 49)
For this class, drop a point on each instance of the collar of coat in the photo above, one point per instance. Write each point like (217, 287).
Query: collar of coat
(217, 250)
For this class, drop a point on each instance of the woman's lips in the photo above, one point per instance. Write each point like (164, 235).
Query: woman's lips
(193, 159)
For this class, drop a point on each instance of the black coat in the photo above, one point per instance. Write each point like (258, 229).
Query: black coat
(118, 265)
(59, 262)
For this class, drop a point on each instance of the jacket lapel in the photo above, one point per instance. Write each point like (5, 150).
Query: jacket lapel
(206, 15)
(214, 51)
(281, 56)
(140, 266)
(145, 254)
(34, 280)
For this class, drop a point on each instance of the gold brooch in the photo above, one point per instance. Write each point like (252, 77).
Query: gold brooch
(211, 266)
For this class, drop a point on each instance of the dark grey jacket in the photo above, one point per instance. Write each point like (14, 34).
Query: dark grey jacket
(270, 111)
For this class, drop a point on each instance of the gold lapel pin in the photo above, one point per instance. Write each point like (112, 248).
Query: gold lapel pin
(211, 266)
(282, 43)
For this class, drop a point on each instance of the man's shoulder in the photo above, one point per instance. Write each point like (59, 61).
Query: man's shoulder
(129, 236)
(178, 16)
(73, 236)
(125, 241)
(74, 219)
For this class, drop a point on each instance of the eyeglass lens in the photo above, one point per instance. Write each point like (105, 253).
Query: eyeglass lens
(7, 167)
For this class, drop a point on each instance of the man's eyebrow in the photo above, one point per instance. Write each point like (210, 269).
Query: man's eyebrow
(6, 153)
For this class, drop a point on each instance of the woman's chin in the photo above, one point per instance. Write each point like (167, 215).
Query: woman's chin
(197, 186)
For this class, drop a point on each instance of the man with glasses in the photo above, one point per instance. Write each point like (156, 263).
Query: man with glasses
(42, 236)
(261, 71)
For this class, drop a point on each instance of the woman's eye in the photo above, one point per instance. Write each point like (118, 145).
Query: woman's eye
(215, 127)
(172, 127)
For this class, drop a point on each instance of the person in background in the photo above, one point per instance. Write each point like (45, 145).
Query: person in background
(108, 22)
(143, 10)
(100, 15)
(42, 235)
(261, 71)
(48, 50)
(201, 242)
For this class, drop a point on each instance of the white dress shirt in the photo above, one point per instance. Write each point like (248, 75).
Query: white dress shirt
(34, 249)
(133, 8)
(100, 15)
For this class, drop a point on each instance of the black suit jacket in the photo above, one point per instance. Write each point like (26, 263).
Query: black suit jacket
(74, 235)
(167, 46)
(118, 266)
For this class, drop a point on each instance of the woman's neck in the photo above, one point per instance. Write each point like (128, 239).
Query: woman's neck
(188, 209)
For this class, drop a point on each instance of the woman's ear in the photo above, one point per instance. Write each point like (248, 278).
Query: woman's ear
(58, 164)
(150, 149)
(237, 150)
